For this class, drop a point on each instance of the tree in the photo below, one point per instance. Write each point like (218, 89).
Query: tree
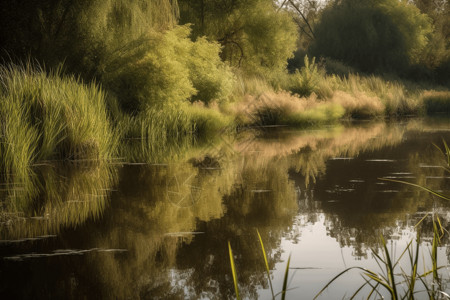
(372, 35)
(253, 34)
(437, 55)
(80, 33)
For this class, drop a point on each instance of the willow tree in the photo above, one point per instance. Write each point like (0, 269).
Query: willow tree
(255, 35)
(79, 32)
(372, 35)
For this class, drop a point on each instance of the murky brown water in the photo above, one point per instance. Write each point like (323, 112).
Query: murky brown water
(157, 231)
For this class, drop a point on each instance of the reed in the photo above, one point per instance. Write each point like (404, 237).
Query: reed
(286, 272)
(46, 116)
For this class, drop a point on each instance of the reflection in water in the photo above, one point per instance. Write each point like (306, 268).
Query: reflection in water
(163, 231)
(54, 198)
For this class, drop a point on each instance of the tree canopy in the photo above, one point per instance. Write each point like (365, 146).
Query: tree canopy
(254, 34)
(80, 33)
(372, 35)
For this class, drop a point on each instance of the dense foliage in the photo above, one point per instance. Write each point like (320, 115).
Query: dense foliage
(373, 35)
(255, 34)
(80, 33)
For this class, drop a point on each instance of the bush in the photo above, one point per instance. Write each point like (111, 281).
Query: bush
(167, 68)
(150, 71)
(212, 79)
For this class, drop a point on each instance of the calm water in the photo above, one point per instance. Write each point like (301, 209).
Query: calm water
(160, 231)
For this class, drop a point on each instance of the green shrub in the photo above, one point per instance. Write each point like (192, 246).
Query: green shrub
(167, 68)
(150, 71)
(212, 78)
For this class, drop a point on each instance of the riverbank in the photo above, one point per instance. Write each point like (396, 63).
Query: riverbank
(48, 115)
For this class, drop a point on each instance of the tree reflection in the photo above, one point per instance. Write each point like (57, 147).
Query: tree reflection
(174, 220)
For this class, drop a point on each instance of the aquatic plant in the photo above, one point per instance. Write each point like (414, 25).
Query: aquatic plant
(48, 116)
(286, 273)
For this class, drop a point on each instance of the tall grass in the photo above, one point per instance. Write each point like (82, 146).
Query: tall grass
(47, 116)
(163, 132)
(282, 108)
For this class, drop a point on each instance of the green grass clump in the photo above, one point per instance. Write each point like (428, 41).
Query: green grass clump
(283, 108)
(46, 116)
(164, 131)
(320, 114)
(207, 121)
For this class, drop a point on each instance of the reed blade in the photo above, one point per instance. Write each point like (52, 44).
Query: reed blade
(266, 263)
(286, 275)
(233, 271)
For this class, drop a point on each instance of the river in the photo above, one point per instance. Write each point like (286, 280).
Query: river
(160, 230)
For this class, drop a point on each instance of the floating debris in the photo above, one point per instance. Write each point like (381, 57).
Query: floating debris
(381, 160)
(429, 166)
(261, 191)
(60, 252)
(183, 233)
(341, 158)
(38, 238)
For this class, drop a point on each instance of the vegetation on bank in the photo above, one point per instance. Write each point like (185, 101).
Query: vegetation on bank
(133, 76)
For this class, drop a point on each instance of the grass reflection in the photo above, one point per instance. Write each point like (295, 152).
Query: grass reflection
(55, 197)
(175, 219)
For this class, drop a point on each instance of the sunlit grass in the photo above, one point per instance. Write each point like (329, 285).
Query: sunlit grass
(48, 116)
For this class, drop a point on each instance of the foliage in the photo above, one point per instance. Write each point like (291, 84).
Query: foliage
(150, 71)
(282, 108)
(81, 33)
(212, 79)
(254, 34)
(167, 68)
(307, 79)
(45, 116)
(436, 102)
(372, 35)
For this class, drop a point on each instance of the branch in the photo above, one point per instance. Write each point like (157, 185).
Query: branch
(303, 17)
(302, 28)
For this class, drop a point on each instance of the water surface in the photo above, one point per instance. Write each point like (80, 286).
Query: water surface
(160, 230)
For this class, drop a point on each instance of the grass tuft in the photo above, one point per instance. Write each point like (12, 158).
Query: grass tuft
(46, 116)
